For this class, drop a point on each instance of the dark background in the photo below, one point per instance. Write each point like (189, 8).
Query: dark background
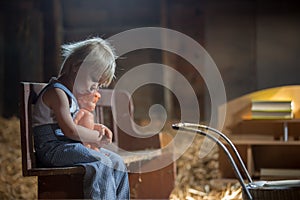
(255, 43)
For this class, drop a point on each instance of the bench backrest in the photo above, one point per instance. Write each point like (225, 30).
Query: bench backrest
(127, 137)
(28, 92)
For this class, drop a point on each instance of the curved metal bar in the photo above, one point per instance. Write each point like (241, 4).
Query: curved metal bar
(233, 164)
(245, 171)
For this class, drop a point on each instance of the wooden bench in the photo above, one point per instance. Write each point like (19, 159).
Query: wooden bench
(66, 182)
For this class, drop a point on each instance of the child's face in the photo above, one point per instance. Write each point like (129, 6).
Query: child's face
(88, 75)
(85, 83)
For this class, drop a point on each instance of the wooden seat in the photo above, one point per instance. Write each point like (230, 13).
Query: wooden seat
(66, 182)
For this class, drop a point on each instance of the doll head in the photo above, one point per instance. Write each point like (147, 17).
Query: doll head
(90, 64)
(88, 101)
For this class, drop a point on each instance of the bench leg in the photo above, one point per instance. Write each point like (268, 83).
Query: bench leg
(60, 187)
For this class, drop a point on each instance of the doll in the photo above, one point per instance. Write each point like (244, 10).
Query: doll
(85, 116)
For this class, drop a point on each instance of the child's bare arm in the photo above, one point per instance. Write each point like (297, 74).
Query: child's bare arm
(57, 100)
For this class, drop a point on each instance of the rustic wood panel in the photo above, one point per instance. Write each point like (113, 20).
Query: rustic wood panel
(147, 95)
(23, 55)
(230, 29)
(113, 13)
(2, 49)
(233, 32)
(83, 19)
(52, 37)
(278, 44)
(187, 18)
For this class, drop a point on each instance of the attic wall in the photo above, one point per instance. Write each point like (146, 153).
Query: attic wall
(254, 44)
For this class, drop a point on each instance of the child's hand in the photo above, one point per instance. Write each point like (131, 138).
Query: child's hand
(105, 132)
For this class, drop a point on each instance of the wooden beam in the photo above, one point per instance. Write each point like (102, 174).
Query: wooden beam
(52, 37)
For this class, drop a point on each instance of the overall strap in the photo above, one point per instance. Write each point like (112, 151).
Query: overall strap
(74, 104)
(65, 89)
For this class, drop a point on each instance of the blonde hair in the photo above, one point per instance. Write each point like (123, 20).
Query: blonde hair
(103, 56)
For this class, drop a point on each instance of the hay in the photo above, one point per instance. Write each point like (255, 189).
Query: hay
(12, 183)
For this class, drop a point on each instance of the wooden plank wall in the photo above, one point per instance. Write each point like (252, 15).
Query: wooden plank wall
(235, 33)
(2, 46)
(108, 18)
(82, 19)
(22, 55)
(187, 18)
(52, 37)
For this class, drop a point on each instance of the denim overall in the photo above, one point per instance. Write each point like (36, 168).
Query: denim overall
(105, 176)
